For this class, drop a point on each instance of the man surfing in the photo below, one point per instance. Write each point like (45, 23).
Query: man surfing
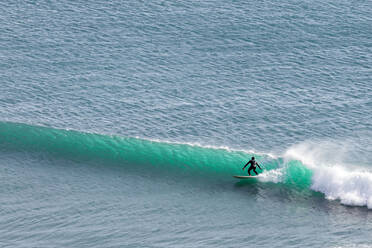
(253, 166)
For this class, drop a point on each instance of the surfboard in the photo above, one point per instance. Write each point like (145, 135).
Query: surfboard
(245, 177)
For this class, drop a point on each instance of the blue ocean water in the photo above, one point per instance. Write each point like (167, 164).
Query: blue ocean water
(122, 123)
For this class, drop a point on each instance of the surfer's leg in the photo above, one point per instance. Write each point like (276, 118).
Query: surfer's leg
(249, 170)
(255, 171)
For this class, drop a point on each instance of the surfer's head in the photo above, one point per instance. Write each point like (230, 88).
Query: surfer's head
(252, 158)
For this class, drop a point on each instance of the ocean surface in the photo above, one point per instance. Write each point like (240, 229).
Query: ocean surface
(123, 122)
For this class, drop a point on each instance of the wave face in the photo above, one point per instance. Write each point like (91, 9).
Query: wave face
(80, 146)
(297, 168)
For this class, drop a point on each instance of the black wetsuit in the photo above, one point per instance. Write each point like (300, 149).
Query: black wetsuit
(252, 167)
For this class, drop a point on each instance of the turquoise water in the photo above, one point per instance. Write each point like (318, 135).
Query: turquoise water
(122, 123)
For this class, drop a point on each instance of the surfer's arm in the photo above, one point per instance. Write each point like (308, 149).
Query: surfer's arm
(246, 165)
(258, 166)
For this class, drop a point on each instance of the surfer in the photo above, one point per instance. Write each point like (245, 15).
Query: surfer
(253, 166)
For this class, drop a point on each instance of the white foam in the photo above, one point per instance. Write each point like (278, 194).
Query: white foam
(350, 184)
(275, 176)
(216, 147)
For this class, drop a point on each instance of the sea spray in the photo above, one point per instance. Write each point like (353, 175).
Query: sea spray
(349, 183)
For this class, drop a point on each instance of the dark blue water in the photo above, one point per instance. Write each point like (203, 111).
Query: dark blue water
(122, 123)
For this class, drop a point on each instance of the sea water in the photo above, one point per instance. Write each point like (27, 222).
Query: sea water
(123, 122)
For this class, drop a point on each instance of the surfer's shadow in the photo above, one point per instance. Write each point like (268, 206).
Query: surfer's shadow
(249, 187)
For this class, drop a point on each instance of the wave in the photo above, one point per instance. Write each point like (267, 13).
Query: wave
(297, 168)
(136, 152)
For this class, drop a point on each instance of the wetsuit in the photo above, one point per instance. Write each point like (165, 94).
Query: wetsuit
(252, 167)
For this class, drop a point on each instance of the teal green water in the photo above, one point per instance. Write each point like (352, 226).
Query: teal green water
(182, 160)
(122, 123)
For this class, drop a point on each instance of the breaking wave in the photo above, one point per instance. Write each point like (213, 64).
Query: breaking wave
(308, 165)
